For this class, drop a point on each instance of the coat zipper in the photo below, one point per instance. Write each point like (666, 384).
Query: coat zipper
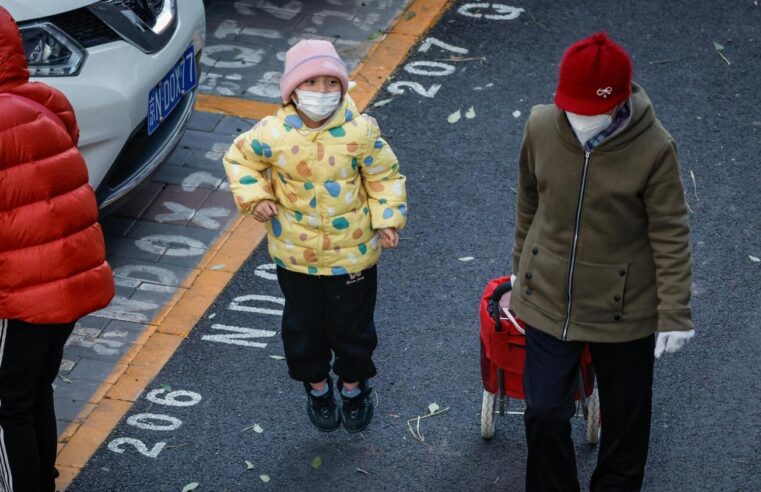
(575, 245)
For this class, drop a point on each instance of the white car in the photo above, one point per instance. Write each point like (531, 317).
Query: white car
(129, 68)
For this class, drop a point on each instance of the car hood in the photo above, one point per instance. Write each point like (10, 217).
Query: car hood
(24, 10)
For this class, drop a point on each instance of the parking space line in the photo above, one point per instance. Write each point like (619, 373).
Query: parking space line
(161, 338)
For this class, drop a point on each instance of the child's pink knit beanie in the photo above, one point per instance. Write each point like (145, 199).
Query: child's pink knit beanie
(311, 58)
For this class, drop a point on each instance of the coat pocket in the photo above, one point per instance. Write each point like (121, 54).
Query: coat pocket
(544, 277)
(598, 292)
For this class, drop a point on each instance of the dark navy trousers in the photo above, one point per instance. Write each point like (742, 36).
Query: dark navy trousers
(30, 356)
(624, 374)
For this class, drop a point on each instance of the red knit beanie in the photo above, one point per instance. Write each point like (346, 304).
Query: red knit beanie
(595, 76)
(311, 58)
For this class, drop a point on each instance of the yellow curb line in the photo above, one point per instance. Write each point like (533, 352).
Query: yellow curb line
(234, 106)
(161, 338)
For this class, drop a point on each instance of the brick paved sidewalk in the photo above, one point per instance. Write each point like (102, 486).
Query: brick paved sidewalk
(247, 40)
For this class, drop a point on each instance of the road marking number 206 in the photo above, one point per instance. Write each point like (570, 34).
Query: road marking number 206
(155, 421)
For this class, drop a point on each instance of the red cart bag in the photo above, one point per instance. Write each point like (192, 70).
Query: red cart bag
(503, 346)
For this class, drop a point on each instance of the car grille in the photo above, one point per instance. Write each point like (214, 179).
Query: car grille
(85, 28)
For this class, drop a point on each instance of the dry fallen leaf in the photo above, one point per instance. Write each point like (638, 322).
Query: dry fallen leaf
(466, 258)
(189, 487)
(277, 357)
(255, 427)
(249, 465)
(434, 410)
(264, 478)
(754, 259)
(454, 117)
(317, 462)
(719, 48)
(471, 113)
(382, 103)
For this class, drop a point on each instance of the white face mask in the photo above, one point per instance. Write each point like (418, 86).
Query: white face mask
(317, 105)
(586, 127)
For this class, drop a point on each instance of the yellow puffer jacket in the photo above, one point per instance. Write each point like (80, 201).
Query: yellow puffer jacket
(334, 186)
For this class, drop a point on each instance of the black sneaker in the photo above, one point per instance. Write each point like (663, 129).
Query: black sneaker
(357, 412)
(322, 410)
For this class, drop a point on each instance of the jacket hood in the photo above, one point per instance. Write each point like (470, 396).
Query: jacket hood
(642, 119)
(345, 113)
(14, 70)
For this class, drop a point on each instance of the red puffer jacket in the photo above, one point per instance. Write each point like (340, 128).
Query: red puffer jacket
(52, 254)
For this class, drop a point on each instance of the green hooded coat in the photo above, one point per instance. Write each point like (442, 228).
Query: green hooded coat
(602, 250)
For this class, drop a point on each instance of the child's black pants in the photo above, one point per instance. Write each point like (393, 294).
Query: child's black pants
(30, 356)
(624, 381)
(327, 315)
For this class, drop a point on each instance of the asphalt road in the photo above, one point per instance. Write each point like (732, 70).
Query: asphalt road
(706, 432)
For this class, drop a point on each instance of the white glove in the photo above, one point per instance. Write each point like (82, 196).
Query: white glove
(671, 341)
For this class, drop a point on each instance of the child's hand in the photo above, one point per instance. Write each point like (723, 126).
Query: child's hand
(265, 211)
(389, 238)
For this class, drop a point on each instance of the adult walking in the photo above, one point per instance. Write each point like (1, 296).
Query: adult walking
(602, 256)
(52, 261)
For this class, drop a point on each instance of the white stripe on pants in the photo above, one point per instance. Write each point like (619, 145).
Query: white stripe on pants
(5, 469)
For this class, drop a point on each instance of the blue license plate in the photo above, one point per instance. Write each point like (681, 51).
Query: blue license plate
(163, 98)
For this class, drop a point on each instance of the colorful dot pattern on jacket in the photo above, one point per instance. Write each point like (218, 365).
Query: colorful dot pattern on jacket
(334, 187)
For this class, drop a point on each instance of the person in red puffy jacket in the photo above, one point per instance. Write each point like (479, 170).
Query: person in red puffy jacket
(53, 266)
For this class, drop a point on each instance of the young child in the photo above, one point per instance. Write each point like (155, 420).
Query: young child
(328, 186)
(602, 256)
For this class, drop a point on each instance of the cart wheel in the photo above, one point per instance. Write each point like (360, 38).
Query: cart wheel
(487, 415)
(593, 418)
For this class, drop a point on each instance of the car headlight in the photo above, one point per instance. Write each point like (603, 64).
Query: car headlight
(50, 52)
(164, 11)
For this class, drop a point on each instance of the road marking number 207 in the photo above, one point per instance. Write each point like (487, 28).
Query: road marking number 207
(155, 421)
(426, 68)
